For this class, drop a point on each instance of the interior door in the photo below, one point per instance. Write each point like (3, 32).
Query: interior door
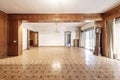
(68, 39)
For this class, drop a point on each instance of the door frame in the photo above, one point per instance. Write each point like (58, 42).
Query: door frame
(65, 38)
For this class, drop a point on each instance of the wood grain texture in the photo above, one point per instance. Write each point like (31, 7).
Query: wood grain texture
(112, 13)
(3, 34)
(56, 17)
(15, 38)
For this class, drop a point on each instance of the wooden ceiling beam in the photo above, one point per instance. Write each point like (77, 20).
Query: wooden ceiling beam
(56, 17)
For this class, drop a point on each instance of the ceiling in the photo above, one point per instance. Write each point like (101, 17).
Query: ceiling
(51, 27)
(57, 6)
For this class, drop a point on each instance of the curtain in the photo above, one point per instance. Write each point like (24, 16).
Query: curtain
(117, 38)
(83, 39)
(109, 42)
(91, 39)
(87, 39)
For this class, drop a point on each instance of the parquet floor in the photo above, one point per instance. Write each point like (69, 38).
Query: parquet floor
(59, 63)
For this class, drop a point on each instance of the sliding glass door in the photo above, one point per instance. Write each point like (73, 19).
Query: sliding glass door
(68, 39)
(87, 39)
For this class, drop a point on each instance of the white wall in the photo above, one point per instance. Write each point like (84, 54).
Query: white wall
(24, 37)
(48, 37)
(54, 39)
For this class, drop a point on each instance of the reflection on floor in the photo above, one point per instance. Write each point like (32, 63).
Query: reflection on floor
(59, 63)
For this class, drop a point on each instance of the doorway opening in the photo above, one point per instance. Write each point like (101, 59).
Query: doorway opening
(34, 42)
(29, 38)
(67, 39)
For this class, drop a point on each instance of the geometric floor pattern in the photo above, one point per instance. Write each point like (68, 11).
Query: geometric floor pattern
(59, 63)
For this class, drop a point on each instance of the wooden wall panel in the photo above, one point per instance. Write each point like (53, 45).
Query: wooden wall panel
(15, 37)
(3, 34)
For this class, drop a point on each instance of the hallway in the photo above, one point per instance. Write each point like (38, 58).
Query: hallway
(59, 63)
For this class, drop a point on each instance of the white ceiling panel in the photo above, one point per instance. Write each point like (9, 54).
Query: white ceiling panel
(57, 6)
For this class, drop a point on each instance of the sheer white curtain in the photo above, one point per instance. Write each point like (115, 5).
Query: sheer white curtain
(87, 39)
(92, 39)
(87, 45)
(109, 42)
(83, 39)
(117, 38)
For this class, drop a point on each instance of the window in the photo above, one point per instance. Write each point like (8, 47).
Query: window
(87, 39)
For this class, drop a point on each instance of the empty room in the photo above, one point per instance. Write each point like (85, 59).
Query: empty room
(59, 40)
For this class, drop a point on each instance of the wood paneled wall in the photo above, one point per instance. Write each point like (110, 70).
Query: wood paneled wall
(3, 34)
